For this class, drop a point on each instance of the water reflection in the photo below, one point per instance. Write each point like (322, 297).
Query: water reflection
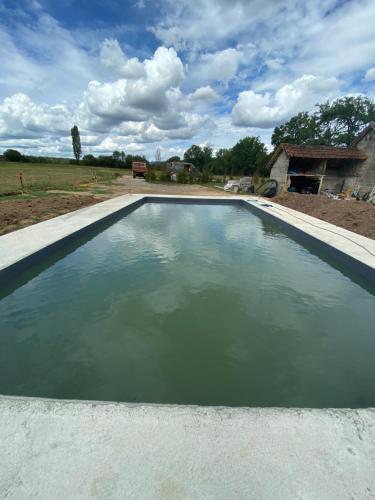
(190, 304)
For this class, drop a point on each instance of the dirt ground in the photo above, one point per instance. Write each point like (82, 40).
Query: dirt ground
(357, 216)
(18, 213)
(127, 184)
(22, 211)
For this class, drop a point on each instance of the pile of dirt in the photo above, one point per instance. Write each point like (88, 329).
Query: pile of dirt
(356, 216)
(18, 213)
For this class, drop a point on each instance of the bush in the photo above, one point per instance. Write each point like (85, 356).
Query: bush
(164, 176)
(183, 177)
(150, 175)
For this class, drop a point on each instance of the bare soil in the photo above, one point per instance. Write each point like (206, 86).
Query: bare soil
(22, 211)
(356, 216)
(127, 184)
(18, 213)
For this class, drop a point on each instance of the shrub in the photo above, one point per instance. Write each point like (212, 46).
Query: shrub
(164, 176)
(183, 177)
(150, 175)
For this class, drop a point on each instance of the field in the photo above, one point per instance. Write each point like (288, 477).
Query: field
(39, 177)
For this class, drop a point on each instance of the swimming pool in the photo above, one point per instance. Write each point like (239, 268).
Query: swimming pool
(190, 304)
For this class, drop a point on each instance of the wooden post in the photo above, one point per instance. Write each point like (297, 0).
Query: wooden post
(22, 182)
(320, 183)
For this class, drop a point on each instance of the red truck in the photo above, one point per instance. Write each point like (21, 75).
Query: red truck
(139, 169)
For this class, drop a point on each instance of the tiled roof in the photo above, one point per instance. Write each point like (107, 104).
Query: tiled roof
(294, 150)
(318, 152)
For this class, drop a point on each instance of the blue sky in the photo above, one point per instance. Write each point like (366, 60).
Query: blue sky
(144, 74)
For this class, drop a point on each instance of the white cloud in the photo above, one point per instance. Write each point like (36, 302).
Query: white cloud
(370, 75)
(21, 117)
(205, 94)
(221, 66)
(135, 99)
(267, 110)
(113, 57)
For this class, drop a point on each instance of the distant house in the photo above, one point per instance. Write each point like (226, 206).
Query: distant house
(317, 168)
(182, 166)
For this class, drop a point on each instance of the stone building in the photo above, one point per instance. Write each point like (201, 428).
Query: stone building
(318, 168)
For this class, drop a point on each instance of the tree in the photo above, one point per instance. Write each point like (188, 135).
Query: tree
(207, 151)
(12, 155)
(123, 156)
(195, 155)
(248, 155)
(223, 161)
(76, 142)
(116, 155)
(345, 117)
(173, 158)
(158, 155)
(301, 129)
(200, 157)
(90, 160)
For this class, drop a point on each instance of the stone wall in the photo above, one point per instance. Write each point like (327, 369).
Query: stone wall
(279, 171)
(365, 170)
(333, 182)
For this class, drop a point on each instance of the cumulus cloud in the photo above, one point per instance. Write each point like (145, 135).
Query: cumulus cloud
(113, 57)
(21, 117)
(205, 94)
(221, 66)
(267, 110)
(370, 75)
(135, 99)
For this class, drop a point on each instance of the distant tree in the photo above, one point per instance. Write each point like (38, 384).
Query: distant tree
(248, 155)
(173, 158)
(223, 161)
(199, 156)
(90, 160)
(207, 151)
(122, 156)
(76, 142)
(158, 155)
(12, 155)
(116, 155)
(301, 129)
(344, 118)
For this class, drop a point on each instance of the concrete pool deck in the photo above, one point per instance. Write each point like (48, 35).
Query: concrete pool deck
(63, 449)
(77, 449)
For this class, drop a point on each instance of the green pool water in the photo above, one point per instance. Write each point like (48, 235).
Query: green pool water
(190, 304)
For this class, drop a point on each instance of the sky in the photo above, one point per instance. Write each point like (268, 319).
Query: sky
(141, 75)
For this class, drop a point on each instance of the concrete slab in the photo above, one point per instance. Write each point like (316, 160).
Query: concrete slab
(62, 449)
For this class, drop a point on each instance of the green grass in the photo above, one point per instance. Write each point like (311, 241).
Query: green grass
(41, 177)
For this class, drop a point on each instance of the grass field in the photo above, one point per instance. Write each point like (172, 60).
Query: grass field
(41, 177)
